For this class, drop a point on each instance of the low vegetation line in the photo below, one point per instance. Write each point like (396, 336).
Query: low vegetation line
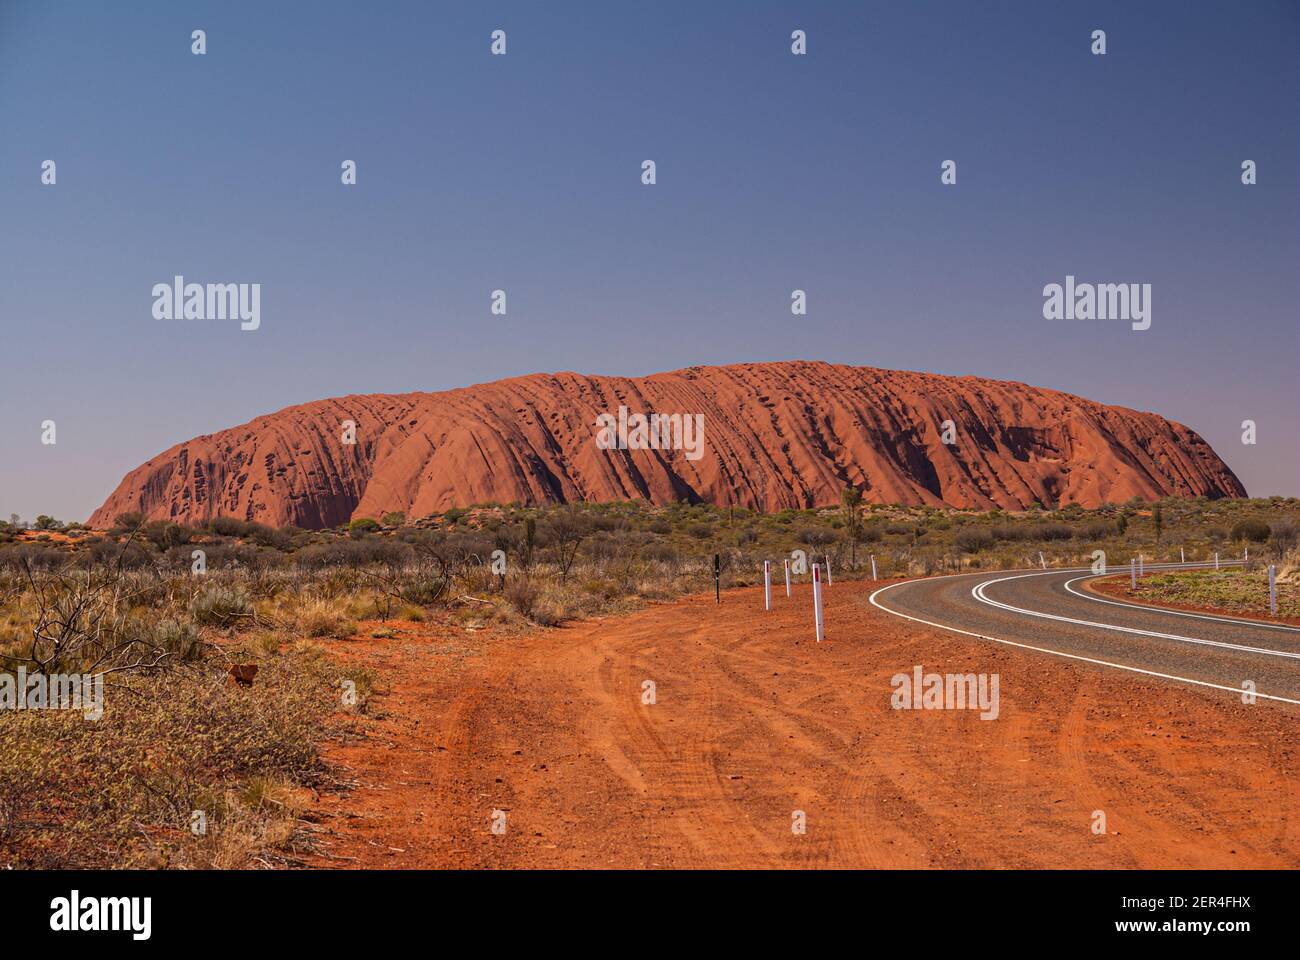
(165, 691)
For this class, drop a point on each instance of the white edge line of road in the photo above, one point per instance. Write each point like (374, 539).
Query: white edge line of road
(979, 594)
(1056, 653)
(1177, 613)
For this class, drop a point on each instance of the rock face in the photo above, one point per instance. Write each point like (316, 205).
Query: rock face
(775, 435)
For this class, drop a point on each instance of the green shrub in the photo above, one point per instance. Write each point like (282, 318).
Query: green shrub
(362, 526)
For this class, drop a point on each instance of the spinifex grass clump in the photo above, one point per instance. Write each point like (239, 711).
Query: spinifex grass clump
(221, 605)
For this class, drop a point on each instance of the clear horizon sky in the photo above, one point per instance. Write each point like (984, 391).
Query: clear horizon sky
(522, 172)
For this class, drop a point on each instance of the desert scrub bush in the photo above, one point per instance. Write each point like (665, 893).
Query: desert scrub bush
(219, 605)
(126, 523)
(661, 553)
(178, 638)
(547, 613)
(652, 589)
(248, 824)
(120, 791)
(1051, 531)
(523, 595)
(357, 688)
(94, 621)
(1283, 536)
(472, 578)
(324, 618)
(124, 556)
(604, 589)
(20, 556)
(165, 534)
(973, 540)
(362, 526)
(423, 589)
(1256, 531)
(815, 537)
(258, 645)
(352, 554)
(1093, 532)
(220, 556)
(1289, 571)
(228, 526)
(276, 539)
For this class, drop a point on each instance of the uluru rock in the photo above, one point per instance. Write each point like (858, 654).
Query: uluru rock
(775, 436)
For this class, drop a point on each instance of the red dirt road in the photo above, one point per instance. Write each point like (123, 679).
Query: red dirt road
(754, 720)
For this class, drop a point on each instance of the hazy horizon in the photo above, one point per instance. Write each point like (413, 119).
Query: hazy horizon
(521, 172)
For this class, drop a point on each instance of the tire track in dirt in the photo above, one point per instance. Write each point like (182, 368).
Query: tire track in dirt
(753, 720)
(1071, 749)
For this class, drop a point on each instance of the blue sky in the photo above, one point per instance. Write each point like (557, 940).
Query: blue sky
(522, 172)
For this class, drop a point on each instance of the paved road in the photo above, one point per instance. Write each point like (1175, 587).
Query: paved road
(1050, 613)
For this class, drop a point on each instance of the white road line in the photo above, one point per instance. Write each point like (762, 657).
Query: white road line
(1178, 613)
(1058, 653)
(978, 594)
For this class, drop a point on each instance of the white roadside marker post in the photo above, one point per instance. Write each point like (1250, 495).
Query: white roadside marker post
(1216, 561)
(1272, 590)
(830, 580)
(1132, 573)
(767, 584)
(1245, 557)
(1182, 555)
(1041, 561)
(817, 599)
(787, 578)
(873, 566)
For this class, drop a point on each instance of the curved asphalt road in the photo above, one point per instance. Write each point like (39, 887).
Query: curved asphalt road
(1048, 612)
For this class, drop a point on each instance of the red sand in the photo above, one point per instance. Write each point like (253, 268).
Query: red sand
(754, 721)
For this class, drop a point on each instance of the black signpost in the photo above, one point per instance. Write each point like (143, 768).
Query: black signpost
(717, 577)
